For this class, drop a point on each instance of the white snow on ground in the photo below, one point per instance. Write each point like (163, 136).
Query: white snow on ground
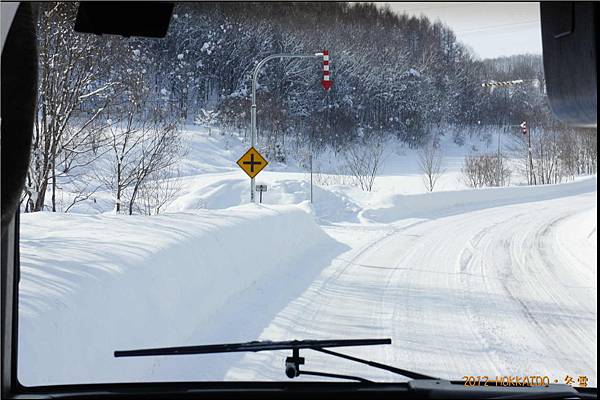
(209, 170)
(94, 284)
(465, 282)
(401, 206)
(460, 292)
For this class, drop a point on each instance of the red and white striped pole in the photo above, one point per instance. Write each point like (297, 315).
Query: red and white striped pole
(326, 82)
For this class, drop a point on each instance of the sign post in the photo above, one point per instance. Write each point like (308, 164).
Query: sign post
(326, 86)
(260, 189)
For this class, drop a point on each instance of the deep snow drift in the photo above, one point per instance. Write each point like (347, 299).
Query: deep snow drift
(486, 281)
(94, 284)
(210, 178)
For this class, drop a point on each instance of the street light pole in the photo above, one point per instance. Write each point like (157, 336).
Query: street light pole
(531, 172)
(253, 108)
(310, 156)
(499, 167)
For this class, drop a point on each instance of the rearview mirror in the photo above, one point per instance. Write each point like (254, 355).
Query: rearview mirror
(127, 18)
(569, 41)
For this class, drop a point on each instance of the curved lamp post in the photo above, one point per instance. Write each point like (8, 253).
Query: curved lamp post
(253, 109)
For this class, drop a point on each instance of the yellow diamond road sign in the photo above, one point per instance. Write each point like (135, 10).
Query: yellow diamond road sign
(252, 162)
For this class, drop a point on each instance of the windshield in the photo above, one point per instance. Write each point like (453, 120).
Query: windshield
(306, 171)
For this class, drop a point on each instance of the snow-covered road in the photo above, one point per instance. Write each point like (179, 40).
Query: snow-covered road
(496, 281)
(492, 291)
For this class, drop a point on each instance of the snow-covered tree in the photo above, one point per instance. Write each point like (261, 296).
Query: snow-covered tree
(207, 118)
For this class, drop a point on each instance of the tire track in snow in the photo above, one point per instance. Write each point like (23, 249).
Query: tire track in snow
(534, 284)
(439, 247)
(480, 246)
(568, 312)
(324, 289)
(458, 294)
(469, 268)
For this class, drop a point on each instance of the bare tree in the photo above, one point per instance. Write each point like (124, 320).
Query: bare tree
(430, 163)
(140, 147)
(364, 159)
(81, 195)
(69, 64)
(519, 150)
(158, 190)
(471, 173)
(159, 151)
(557, 153)
(485, 170)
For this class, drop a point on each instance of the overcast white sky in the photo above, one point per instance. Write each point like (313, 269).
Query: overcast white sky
(491, 29)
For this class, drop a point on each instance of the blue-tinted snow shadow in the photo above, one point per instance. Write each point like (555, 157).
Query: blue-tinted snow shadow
(246, 315)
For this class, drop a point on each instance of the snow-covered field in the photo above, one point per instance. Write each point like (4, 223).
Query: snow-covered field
(464, 282)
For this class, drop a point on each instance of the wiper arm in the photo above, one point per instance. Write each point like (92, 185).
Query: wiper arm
(399, 371)
(292, 364)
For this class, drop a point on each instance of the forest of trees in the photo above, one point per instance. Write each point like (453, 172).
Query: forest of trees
(116, 103)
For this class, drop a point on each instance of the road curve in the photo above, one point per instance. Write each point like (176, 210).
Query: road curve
(508, 290)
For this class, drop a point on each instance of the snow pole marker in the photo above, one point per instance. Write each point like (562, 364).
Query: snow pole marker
(503, 83)
(326, 82)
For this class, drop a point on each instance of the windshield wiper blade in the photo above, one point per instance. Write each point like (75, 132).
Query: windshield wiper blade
(292, 364)
(254, 346)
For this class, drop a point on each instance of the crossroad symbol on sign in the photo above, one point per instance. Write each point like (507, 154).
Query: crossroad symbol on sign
(252, 162)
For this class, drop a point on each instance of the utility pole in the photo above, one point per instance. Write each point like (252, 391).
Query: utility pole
(531, 171)
(253, 108)
(499, 167)
(499, 161)
(310, 159)
(526, 132)
(311, 178)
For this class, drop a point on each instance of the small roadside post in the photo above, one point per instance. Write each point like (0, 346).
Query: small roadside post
(260, 189)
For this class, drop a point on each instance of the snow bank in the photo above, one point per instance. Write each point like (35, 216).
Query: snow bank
(328, 206)
(426, 205)
(221, 194)
(92, 284)
(577, 241)
(209, 153)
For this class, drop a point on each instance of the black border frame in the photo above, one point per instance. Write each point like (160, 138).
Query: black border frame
(12, 388)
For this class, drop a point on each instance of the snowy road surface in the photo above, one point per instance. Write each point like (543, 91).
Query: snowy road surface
(474, 282)
(497, 291)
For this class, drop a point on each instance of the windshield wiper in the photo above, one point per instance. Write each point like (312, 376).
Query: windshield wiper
(292, 364)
